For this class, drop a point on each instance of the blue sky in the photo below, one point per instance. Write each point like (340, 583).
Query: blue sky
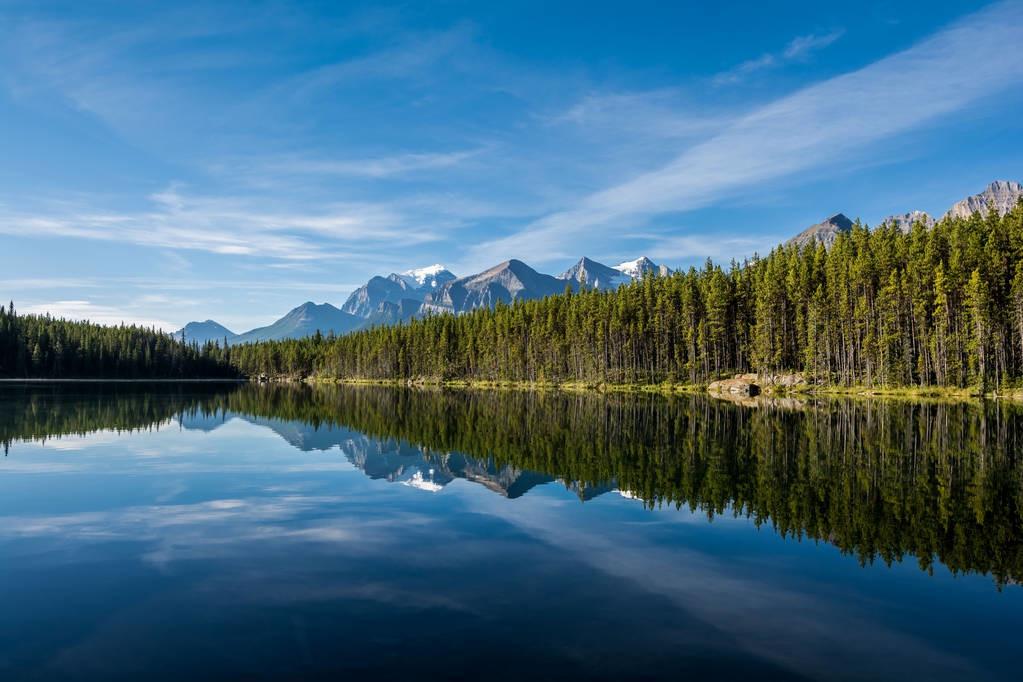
(169, 162)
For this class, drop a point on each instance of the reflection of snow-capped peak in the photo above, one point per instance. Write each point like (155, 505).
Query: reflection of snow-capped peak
(422, 483)
(420, 276)
(628, 494)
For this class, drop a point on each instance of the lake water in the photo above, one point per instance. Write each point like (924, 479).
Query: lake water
(269, 532)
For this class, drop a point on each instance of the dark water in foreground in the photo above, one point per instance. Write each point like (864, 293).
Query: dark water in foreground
(169, 533)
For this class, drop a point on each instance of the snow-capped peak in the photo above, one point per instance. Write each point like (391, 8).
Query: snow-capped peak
(421, 276)
(636, 268)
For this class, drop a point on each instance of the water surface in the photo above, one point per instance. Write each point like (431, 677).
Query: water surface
(268, 532)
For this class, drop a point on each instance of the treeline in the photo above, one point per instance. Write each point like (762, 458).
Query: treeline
(940, 306)
(39, 347)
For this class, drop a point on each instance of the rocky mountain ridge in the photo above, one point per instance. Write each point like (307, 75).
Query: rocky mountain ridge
(399, 297)
(1000, 196)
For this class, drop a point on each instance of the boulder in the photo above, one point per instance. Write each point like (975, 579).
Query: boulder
(736, 386)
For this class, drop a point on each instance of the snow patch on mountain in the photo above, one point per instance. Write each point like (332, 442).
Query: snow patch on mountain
(421, 277)
(636, 269)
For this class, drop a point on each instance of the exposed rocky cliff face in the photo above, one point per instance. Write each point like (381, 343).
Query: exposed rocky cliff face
(906, 221)
(825, 232)
(1000, 196)
(509, 281)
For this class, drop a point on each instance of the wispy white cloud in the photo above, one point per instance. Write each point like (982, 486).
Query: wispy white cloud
(179, 284)
(655, 113)
(100, 314)
(233, 226)
(808, 631)
(802, 46)
(369, 167)
(412, 56)
(813, 128)
(798, 49)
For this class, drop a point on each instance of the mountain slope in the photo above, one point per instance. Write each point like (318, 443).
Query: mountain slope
(825, 232)
(506, 282)
(1000, 196)
(389, 312)
(365, 300)
(906, 221)
(305, 320)
(397, 288)
(589, 274)
(201, 332)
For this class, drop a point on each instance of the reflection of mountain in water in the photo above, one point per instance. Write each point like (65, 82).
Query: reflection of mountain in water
(394, 460)
(941, 483)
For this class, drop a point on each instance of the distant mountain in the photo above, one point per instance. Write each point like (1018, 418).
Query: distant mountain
(305, 320)
(906, 221)
(434, 289)
(365, 300)
(405, 291)
(589, 274)
(201, 332)
(640, 267)
(388, 312)
(825, 232)
(1000, 196)
(509, 281)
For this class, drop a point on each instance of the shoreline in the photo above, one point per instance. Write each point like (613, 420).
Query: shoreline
(806, 391)
(802, 391)
(123, 381)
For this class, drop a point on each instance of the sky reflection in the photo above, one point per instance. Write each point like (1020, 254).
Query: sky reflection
(258, 549)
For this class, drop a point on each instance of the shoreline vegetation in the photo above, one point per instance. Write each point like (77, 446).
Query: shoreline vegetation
(100, 380)
(924, 312)
(668, 389)
(926, 393)
(806, 391)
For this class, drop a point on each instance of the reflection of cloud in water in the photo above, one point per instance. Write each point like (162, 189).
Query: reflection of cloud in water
(224, 527)
(804, 631)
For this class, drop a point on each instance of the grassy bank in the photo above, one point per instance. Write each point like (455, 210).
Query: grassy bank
(944, 392)
(518, 385)
(808, 390)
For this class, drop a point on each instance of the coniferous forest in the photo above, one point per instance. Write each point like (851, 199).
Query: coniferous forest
(40, 347)
(939, 306)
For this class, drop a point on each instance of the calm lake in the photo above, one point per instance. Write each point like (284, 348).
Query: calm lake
(194, 532)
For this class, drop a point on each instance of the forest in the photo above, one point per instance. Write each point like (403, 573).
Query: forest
(939, 306)
(41, 347)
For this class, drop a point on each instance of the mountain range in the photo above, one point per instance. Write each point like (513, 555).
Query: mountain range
(1000, 196)
(399, 297)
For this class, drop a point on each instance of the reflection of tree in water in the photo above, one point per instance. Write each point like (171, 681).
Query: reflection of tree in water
(877, 479)
(38, 411)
